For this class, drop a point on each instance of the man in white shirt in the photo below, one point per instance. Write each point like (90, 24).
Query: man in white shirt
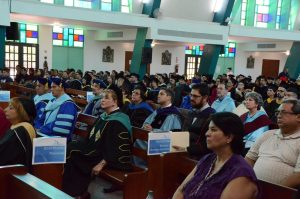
(275, 156)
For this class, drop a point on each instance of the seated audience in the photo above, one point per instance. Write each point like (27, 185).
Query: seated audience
(165, 118)
(94, 106)
(224, 103)
(60, 113)
(41, 100)
(5, 78)
(16, 144)
(4, 123)
(138, 110)
(223, 173)
(256, 122)
(291, 93)
(108, 146)
(270, 104)
(196, 120)
(275, 156)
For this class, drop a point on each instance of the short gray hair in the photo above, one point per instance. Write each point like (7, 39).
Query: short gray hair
(257, 98)
(295, 103)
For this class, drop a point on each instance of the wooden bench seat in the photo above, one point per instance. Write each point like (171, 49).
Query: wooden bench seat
(272, 191)
(17, 183)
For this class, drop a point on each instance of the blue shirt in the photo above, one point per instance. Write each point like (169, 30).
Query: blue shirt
(224, 105)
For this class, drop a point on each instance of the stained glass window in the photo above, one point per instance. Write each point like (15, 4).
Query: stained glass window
(244, 12)
(125, 6)
(79, 3)
(106, 5)
(194, 50)
(278, 16)
(28, 33)
(229, 50)
(67, 37)
(262, 13)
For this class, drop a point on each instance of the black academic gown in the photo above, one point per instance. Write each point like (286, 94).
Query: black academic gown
(112, 145)
(16, 147)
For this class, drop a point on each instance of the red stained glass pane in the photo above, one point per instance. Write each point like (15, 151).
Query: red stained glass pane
(201, 47)
(260, 17)
(75, 37)
(231, 50)
(60, 36)
(28, 33)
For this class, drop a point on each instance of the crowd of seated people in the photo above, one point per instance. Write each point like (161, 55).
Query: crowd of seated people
(152, 102)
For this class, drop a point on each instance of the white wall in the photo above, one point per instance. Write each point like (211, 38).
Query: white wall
(93, 54)
(199, 10)
(45, 45)
(241, 62)
(178, 57)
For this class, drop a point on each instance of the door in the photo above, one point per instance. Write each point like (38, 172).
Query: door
(128, 58)
(21, 54)
(192, 63)
(270, 68)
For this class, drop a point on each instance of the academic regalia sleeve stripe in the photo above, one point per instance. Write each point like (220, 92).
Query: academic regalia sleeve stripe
(61, 130)
(61, 123)
(65, 116)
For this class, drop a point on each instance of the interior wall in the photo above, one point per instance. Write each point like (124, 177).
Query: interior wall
(67, 57)
(222, 65)
(177, 57)
(241, 62)
(45, 45)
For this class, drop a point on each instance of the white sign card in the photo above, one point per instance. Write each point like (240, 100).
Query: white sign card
(89, 96)
(47, 150)
(4, 96)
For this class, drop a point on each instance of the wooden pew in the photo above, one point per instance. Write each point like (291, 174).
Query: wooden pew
(134, 184)
(84, 125)
(271, 191)
(17, 183)
(78, 96)
(176, 166)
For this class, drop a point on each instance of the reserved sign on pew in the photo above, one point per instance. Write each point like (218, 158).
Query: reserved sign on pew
(49, 150)
(4, 96)
(162, 142)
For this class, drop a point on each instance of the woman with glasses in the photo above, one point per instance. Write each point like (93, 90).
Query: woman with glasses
(256, 122)
(224, 173)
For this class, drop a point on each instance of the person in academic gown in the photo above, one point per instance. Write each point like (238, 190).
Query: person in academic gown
(16, 144)
(138, 110)
(107, 146)
(256, 122)
(41, 100)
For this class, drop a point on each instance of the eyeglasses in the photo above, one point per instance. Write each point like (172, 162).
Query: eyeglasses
(280, 91)
(136, 93)
(195, 96)
(284, 113)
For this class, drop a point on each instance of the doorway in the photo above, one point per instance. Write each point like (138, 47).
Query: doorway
(128, 59)
(192, 63)
(270, 68)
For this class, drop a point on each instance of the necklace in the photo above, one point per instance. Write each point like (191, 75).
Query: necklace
(207, 177)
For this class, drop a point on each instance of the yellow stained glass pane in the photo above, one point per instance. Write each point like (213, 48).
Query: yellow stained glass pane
(32, 27)
(78, 32)
(33, 50)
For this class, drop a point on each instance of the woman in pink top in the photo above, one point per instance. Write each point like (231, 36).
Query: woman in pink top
(4, 123)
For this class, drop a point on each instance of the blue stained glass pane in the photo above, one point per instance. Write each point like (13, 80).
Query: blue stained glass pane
(201, 52)
(81, 38)
(22, 26)
(71, 31)
(71, 40)
(54, 35)
(66, 31)
(106, 6)
(189, 52)
(265, 18)
(66, 37)
(35, 34)
(23, 37)
(231, 54)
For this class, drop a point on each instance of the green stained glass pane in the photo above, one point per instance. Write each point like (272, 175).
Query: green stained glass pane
(66, 43)
(189, 52)
(22, 26)
(23, 36)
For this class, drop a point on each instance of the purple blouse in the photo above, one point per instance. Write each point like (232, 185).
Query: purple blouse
(213, 186)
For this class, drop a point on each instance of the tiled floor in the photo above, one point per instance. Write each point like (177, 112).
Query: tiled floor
(96, 190)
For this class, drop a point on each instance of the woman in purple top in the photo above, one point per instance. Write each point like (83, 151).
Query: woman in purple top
(223, 174)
